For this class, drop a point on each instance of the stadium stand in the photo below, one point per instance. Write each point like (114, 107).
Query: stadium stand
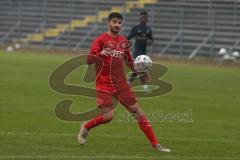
(180, 27)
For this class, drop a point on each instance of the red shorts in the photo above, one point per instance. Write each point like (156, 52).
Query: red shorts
(125, 96)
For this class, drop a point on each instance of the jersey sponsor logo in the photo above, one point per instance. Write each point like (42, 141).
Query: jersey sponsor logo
(116, 50)
(116, 53)
(113, 53)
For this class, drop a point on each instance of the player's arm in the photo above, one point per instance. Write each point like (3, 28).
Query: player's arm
(150, 37)
(131, 33)
(129, 60)
(130, 63)
(95, 50)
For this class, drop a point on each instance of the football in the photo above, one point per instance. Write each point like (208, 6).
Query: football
(143, 63)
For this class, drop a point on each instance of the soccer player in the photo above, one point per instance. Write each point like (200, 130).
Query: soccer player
(109, 55)
(142, 35)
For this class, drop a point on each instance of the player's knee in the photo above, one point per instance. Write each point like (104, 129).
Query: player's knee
(108, 114)
(108, 117)
(135, 109)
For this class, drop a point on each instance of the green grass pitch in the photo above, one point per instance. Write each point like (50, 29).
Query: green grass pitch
(29, 128)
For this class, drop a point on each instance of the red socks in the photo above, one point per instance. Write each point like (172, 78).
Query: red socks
(147, 129)
(95, 122)
(142, 122)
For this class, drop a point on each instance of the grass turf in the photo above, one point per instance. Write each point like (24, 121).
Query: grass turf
(30, 130)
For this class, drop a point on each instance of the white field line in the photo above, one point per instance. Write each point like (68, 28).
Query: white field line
(118, 136)
(113, 157)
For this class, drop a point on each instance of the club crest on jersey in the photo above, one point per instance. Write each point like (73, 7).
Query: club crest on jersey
(125, 45)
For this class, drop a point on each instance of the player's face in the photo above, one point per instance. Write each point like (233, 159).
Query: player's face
(143, 19)
(115, 25)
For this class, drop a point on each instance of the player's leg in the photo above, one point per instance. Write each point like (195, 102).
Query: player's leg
(132, 77)
(105, 116)
(146, 126)
(127, 98)
(144, 83)
(104, 102)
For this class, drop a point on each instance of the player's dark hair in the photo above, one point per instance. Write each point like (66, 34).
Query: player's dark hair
(143, 13)
(114, 15)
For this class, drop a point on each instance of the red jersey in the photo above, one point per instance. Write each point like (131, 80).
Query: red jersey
(110, 74)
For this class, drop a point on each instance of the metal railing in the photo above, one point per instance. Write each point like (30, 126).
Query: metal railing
(11, 30)
(186, 19)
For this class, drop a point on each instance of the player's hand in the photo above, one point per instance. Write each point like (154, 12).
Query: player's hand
(145, 76)
(106, 52)
(149, 42)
